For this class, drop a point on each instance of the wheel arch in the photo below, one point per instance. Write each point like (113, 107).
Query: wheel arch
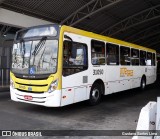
(101, 83)
(144, 77)
(143, 82)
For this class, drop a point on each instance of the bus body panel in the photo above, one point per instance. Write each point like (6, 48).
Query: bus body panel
(111, 77)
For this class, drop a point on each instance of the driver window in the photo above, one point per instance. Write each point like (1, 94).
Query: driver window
(74, 57)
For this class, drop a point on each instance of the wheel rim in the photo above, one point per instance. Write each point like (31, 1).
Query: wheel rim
(95, 94)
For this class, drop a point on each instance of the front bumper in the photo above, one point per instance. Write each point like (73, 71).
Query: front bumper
(52, 99)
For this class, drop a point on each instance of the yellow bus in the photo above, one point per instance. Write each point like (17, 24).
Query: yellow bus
(54, 65)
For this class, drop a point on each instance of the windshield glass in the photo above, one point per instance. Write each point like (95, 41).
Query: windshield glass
(35, 57)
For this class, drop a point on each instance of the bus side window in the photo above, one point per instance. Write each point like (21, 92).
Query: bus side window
(135, 57)
(154, 60)
(112, 52)
(125, 55)
(97, 52)
(142, 58)
(75, 57)
(149, 59)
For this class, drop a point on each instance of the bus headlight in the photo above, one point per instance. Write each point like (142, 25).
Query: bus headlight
(53, 86)
(12, 83)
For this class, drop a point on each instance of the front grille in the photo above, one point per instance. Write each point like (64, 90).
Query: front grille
(40, 77)
(30, 91)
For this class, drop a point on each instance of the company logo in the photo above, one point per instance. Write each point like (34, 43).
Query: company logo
(26, 76)
(6, 133)
(125, 72)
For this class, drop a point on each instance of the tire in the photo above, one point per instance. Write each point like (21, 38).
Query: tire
(143, 83)
(95, 94)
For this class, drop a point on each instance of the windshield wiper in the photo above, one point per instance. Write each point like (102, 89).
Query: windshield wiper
(38, 47)
(41, 56)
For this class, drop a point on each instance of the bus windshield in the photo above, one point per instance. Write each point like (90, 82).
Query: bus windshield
(35, 57)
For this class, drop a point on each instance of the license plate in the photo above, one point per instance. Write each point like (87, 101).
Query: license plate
(29, 98)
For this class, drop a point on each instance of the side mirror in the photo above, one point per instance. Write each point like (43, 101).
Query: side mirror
(67, 37)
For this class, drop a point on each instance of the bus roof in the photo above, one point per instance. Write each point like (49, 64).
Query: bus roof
(104, 38)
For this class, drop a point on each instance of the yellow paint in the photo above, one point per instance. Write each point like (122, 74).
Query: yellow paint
(125, 72)
(104, 38)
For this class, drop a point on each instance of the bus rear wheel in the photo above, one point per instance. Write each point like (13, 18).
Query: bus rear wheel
(95, 94)
(143, 83)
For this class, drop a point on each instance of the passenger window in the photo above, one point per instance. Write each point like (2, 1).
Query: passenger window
(142, 58)
(75, 57)
(154, 60)
(135, 57)
(149, 59)
(112, 52)
(125, 55)
(98, 52)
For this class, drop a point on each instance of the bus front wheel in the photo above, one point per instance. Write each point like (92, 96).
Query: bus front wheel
(143, 83)
(95, 94)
